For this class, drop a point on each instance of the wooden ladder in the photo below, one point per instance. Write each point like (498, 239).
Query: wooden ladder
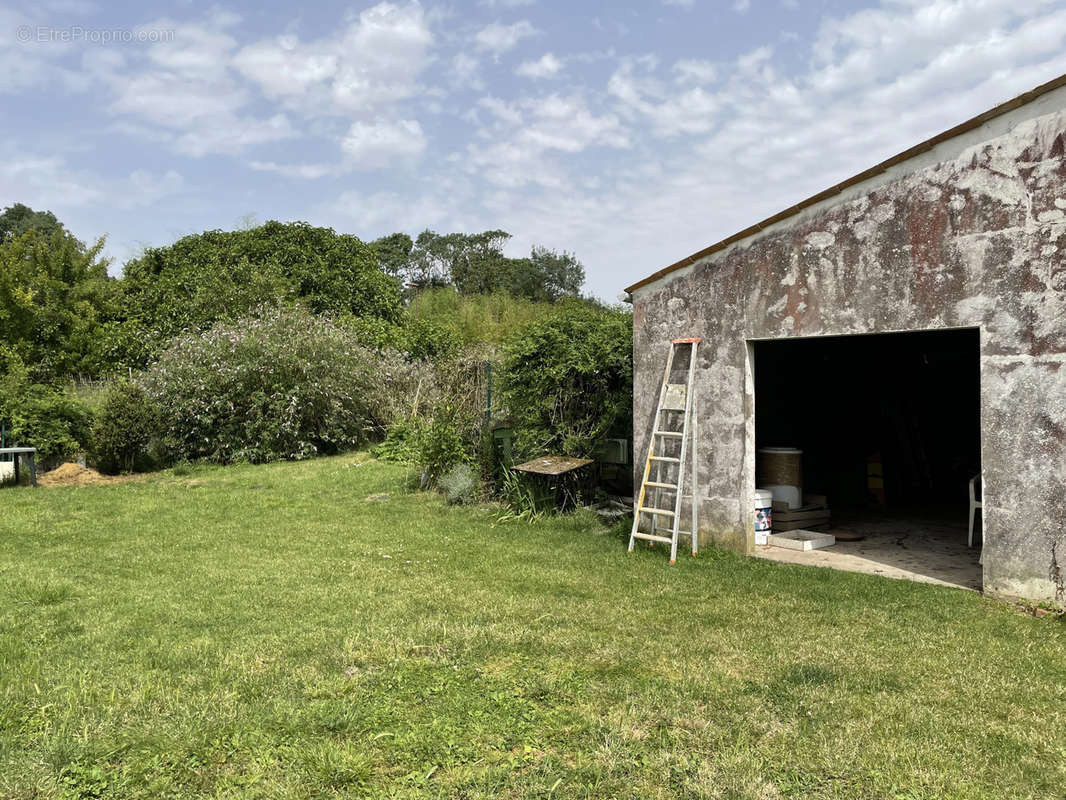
(675, 426)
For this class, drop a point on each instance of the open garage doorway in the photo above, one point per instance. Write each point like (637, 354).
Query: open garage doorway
(890, 431)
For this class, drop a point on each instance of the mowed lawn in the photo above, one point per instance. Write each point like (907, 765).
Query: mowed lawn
(284, 631)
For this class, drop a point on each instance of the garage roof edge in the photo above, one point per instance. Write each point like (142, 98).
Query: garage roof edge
(899, 158)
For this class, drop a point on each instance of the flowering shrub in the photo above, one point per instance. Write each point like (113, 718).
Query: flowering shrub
(283, 384)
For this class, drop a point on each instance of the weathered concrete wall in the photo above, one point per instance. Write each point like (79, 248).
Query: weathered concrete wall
(973, 235)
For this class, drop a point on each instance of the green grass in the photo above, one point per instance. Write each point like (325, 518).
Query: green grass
(276, 632)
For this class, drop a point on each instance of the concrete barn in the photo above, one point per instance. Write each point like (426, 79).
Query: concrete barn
(913, 315)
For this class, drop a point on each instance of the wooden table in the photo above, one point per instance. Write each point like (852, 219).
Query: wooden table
(553, 465)
(29, 453)
(560, 478)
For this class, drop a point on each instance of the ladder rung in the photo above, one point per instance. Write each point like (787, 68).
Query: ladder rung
(666, 458)
(673, 486)
(651, 537)
(647, 510)
(679, 533)
(675, 434)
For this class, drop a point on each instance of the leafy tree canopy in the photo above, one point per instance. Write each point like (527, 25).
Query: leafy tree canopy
(18, 219)
(394, 252)
(568, 379)
(54, 293)
(222, 275)
(475, 264)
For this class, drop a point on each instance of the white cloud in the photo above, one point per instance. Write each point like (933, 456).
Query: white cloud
(752, 137)
(547, 66)
(306, 171)
(741, 6)
(682, 3)
(232, 134)
(172, 101)
(498, 39)
(694, 70)
(465, 72)
(524, 136)
(374, 62)
(51, 182)
(380, 144)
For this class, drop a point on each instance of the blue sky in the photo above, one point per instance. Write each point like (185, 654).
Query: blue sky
(630, 133)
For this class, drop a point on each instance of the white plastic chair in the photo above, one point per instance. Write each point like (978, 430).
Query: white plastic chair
(976, 502)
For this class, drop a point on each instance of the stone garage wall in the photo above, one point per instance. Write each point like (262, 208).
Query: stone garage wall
(971, 233)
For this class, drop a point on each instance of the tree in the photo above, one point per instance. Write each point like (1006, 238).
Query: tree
(472, 262)
(476, 261)
(475, 264)
(546, 276)
(54, 294)
(222, 275)
(394, 254)
(19, 218)
(567, 379)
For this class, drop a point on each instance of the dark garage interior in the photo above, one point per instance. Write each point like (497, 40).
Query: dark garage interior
(905, 406)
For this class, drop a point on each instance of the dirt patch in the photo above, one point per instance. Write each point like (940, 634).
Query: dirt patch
(74, 475)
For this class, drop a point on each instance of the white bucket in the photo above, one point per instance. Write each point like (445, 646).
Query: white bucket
(764, 502)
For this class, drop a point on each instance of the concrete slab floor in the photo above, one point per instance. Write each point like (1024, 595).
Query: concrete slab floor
(916, 549)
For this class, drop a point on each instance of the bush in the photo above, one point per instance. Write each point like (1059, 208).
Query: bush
(459, 484)
(478, 322)
(223, 275)
(425, 340)
(129, 423)
(441, 443)
(283, 384)
(567, 380)
(399, 443)
(58, 426)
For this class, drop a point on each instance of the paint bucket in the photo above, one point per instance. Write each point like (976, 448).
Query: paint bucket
(781, 471)
(764, 501)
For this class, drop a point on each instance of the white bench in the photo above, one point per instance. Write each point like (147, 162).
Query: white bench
(28, 453)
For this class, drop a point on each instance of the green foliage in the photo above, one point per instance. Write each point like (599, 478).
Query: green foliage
(459, 484)
(520, 496)
(45, 418)
(441, 442)
(19, 219)
(475, 264)
(426, 340)
(14, 380)
(128, 424)
(567, 379)
(54, 293)
(394, 254)
(284, 384)
(546, 276)
(223, 275)
(480, 323)
(399, 444)
(41, 416)
(375, 332)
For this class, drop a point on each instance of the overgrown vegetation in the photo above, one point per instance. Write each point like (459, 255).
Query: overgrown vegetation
(286, 341)
(567, 380)
(283, 631)
(280, 384)
(224, 275)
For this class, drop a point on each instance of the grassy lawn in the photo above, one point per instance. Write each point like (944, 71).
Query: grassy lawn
(279, 631)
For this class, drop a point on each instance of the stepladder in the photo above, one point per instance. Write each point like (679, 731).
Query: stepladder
(670, 470)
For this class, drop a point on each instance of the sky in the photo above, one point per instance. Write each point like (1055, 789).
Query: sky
(629, 133)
